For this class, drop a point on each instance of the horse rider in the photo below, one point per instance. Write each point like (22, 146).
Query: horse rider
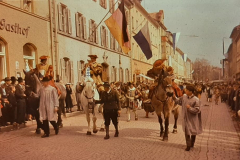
(95, 69)
(111, 108)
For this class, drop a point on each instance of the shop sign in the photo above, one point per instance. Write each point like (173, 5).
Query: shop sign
(14, 28)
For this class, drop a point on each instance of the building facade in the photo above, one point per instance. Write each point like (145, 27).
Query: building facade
(23, 37)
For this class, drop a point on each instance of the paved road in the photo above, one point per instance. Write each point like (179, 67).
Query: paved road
(138, 140)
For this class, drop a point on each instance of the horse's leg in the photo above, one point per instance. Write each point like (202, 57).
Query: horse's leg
(147, 114)
(95, 118)
(166, 116)
(161, 124)
(176, 113)
(101, 111)
(88, 120)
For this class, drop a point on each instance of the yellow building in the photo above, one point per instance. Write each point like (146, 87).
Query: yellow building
(138, 18)
(24, 35)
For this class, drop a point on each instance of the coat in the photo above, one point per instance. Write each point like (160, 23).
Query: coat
(110, 100)
(191, 117)
(48, 102)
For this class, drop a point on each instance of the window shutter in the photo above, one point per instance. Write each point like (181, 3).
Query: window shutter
(69, 21)
(77, 25)
(110, 40)
(116, 44)
(96, 32)
(107, 38)
(84, 28)
(71, 72)
(80, 24)
(90, 31)
(60, 17)
(64, 24)
(101, 32)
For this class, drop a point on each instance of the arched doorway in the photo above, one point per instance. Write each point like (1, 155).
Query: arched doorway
(29, 56)
(3, 64)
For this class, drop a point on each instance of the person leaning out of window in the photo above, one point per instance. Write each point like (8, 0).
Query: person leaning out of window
(111, 108)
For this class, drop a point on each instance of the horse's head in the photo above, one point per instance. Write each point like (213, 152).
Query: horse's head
(89, 90)
(167, 85)
(30, 81)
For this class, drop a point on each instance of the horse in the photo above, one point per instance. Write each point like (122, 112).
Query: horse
(88, 95)
(162, 101)
(33, 84)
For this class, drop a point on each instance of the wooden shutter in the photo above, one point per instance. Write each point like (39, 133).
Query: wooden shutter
(78, 31)
(101, 32)
(60, 17)
(107, 38)
(63, 70)
(97, 34)
(84, 28)
(69, 21)
(90, 31)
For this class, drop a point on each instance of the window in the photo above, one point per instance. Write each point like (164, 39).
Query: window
(67, 74)
(64, 19)
(3, 65)
(81, 30)
(112, 42)
(80, 69)
(127, 75)
(104, 36)
(93, 31)
(111, 6)
(103, 3)
(29, 52)
(27, 5)
(113, 74)
(121, 78)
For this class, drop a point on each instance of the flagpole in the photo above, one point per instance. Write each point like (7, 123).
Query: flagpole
(103, 18)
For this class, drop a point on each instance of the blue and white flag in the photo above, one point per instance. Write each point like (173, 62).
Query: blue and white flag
(88, 74)
(175, 40)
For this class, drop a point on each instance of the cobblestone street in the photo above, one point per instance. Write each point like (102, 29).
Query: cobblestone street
(138, 140)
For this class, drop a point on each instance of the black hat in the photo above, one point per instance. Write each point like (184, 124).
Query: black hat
(7, 79)
(106, 84)
(13, 78)
(20, 79)
(45, 79)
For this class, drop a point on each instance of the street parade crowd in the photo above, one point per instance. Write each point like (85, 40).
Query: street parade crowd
(17, 97)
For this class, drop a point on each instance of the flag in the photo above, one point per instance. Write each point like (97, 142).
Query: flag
(175, 40)
(117, 25)
(143, 40)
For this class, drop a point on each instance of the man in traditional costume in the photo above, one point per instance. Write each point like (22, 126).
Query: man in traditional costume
(48, 107)
(132, 103)
(95, 69)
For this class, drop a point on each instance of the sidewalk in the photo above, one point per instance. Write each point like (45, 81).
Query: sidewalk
(33, 122)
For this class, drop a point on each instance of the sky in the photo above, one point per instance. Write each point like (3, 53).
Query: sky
(210, 20)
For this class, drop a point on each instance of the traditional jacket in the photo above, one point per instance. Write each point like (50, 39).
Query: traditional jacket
(48, 100)
(110, 100)
(191, 117)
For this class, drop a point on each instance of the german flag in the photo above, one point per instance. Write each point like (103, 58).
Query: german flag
(117, 25)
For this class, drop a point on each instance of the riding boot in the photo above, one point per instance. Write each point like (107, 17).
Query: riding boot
(116, 131)
(107, 132)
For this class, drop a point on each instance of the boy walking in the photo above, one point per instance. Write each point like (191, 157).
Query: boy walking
(191, 116)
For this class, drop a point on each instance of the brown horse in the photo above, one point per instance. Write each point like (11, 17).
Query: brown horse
(163, 102)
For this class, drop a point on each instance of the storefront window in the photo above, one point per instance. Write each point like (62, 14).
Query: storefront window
(29, 52)
(3, 69)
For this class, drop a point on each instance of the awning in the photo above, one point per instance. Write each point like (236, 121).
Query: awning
(141, 75)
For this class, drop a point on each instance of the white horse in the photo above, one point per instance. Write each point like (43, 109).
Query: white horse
(88, 95)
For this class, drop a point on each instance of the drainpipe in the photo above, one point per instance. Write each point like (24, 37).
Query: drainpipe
(56, 38)
(131, 53)
(51, 32)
